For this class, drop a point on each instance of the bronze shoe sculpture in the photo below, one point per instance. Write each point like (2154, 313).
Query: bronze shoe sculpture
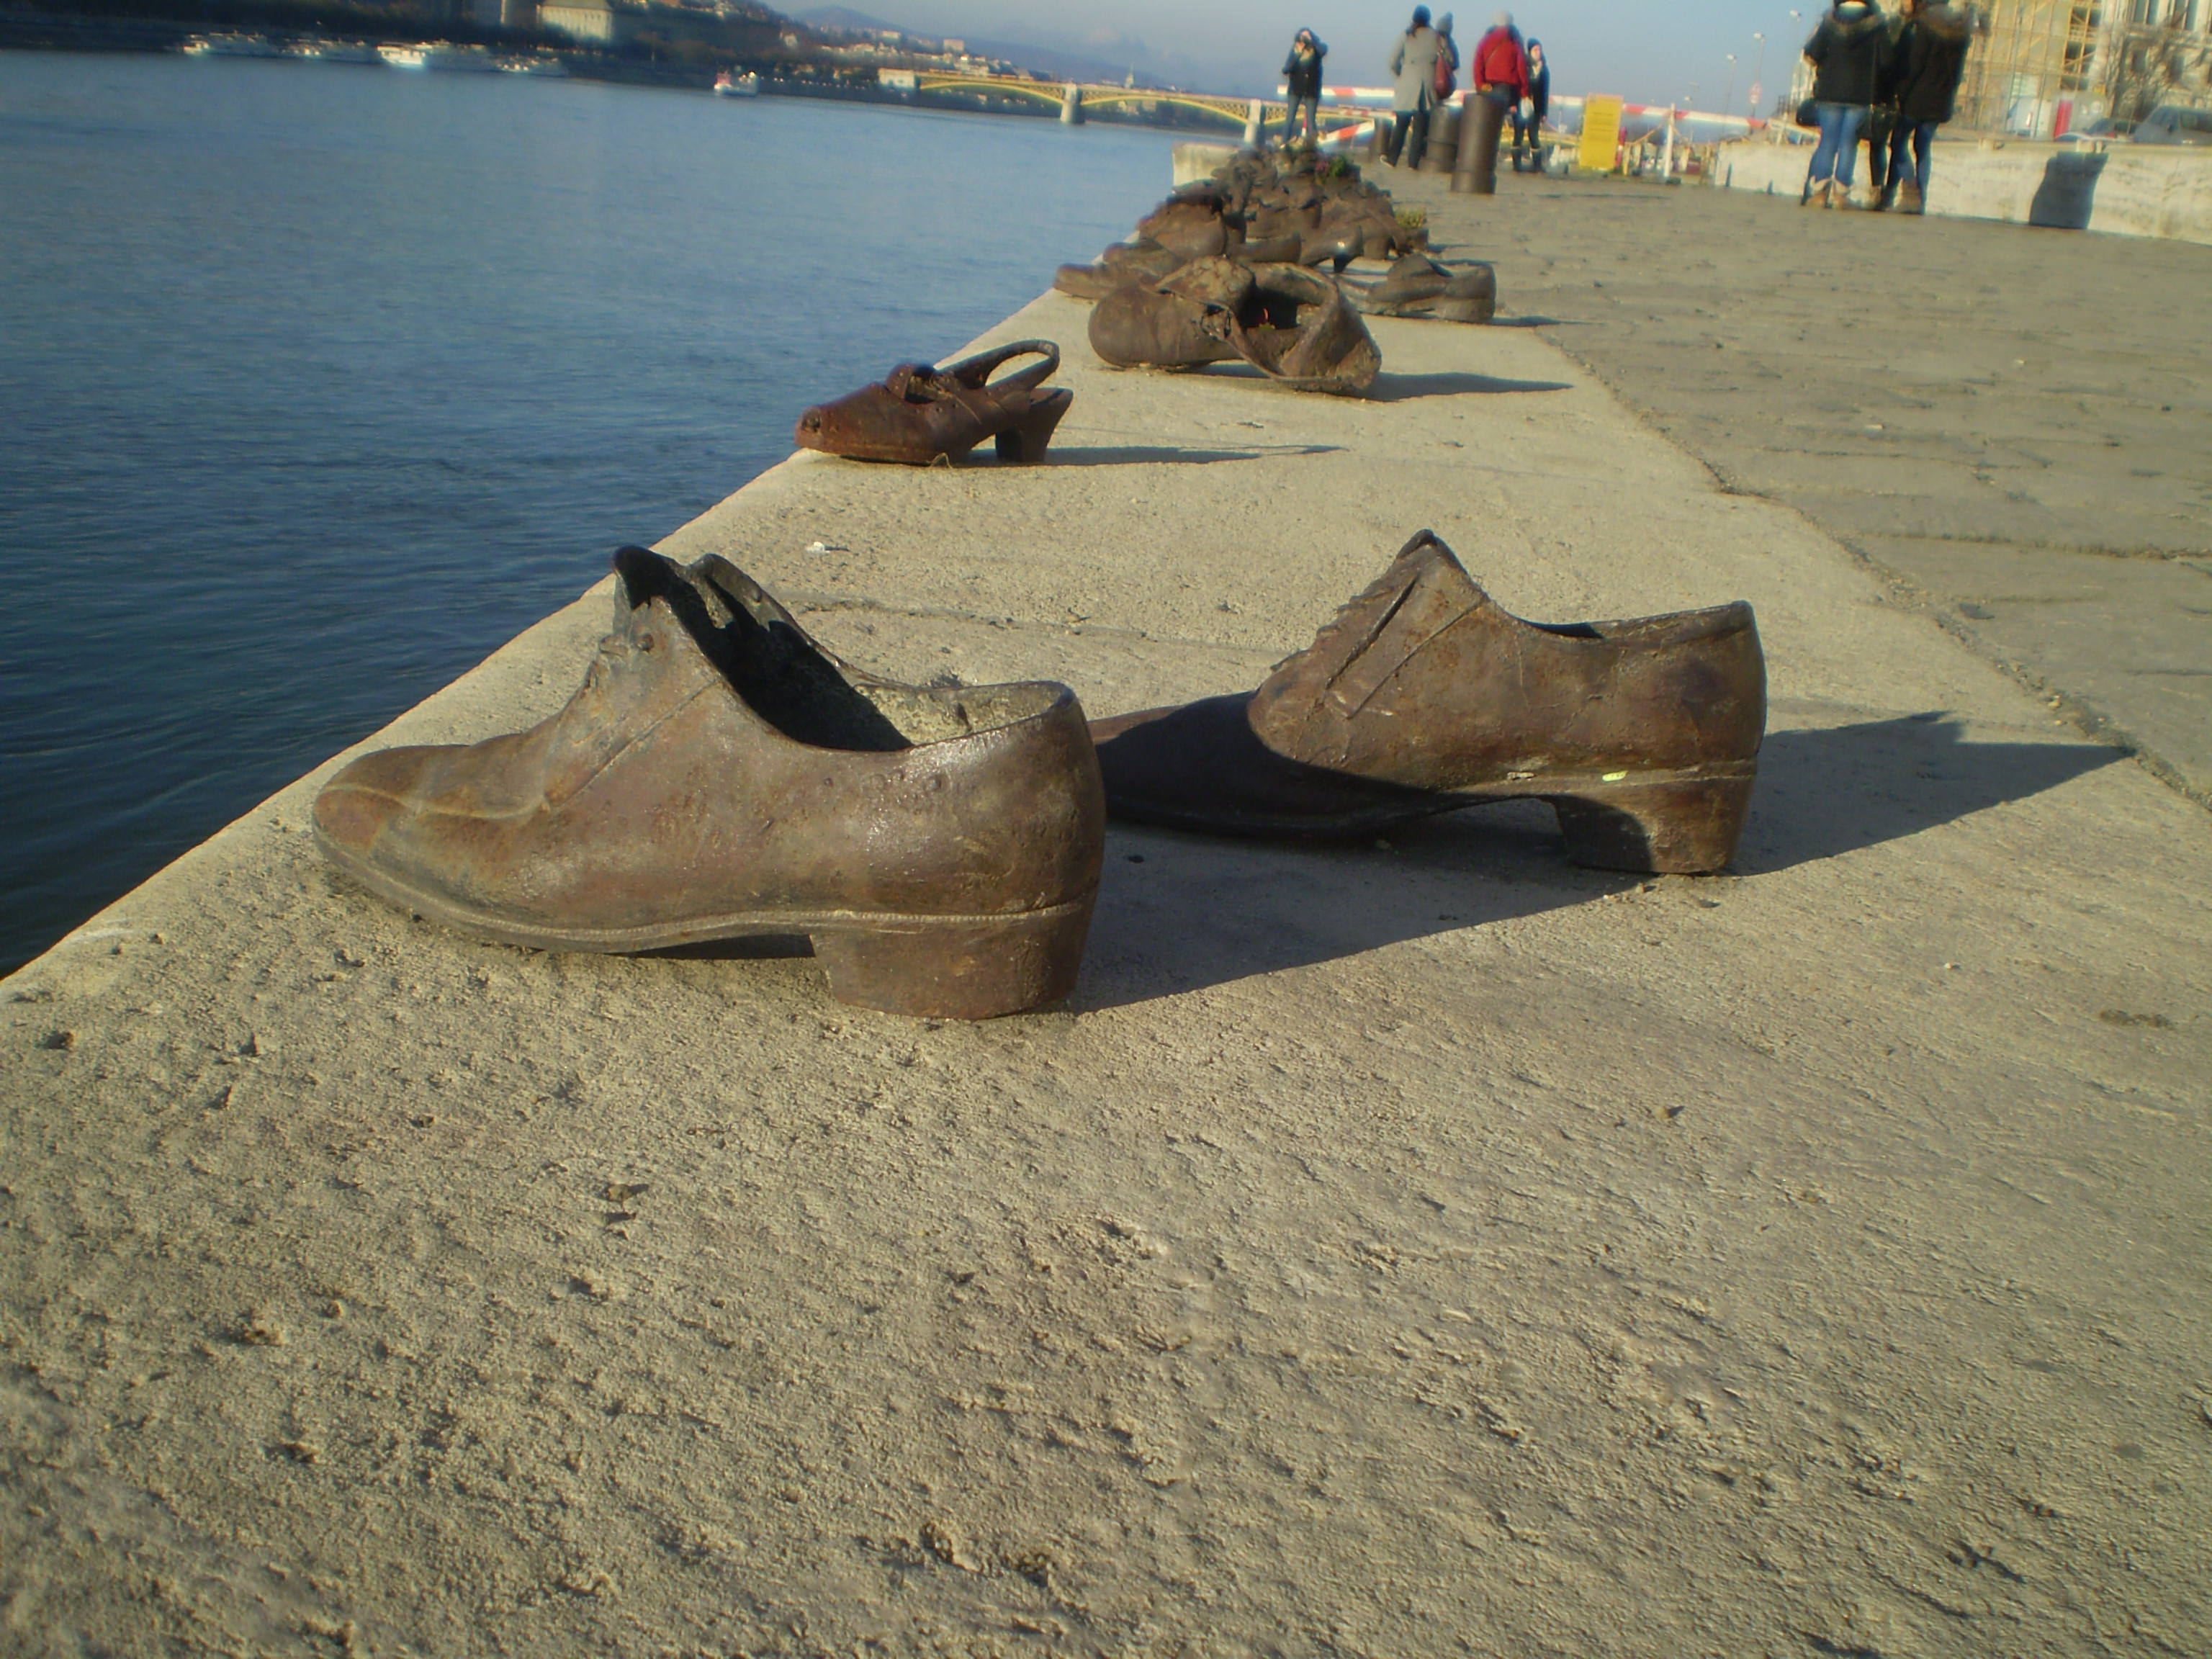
(720, 774)
(1418, 286)
(1146, 263)
(917, 414)
(1424, 696)
(1292, 324)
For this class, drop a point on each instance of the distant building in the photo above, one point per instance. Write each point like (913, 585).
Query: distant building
(953, 48)
(2038, 67)
(518, 14)
(580, 20)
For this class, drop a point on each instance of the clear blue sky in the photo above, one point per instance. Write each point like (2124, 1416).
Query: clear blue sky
(1645, 50)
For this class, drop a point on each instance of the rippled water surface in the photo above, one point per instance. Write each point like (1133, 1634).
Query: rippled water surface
(317, 383)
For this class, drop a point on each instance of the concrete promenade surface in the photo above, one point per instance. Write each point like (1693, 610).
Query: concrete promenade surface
(2015, 425)
(1417, 1248)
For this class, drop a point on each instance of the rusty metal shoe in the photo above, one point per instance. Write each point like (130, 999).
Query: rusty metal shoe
(718, 776)
(917, 414)
(1418, 286)
(1424, 696)
(1291, 324)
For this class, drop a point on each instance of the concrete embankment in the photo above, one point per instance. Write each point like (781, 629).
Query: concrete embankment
(2127, 189)
(1398, 1249)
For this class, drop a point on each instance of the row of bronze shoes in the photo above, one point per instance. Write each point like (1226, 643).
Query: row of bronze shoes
(1233, 267)
(720, 774)
(1220, 270)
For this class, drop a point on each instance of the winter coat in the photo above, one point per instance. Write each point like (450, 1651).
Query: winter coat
(1303, 75)
(1847, 51)
(1929, 60)
(1539, 91)
(1500, 62)
(1413, 67)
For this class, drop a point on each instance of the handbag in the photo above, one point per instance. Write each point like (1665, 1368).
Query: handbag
(1808, 115)
(1445, 80)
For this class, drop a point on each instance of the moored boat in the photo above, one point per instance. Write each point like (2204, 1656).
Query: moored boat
(729, 84)
(404, 57)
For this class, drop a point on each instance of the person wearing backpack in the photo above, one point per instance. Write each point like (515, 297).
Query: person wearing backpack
(1414, 89)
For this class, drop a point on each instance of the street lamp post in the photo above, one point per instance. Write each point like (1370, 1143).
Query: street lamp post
(1758, 73)
(1728, 104)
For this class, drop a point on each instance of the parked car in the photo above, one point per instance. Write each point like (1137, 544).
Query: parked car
(2103, 129)
(2175, 123)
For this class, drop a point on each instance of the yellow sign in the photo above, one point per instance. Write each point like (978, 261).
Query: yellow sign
(1601, 133)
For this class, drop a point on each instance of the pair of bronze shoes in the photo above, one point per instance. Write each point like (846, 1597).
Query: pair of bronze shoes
(720, 774)
(919, 415)
(1293, 324)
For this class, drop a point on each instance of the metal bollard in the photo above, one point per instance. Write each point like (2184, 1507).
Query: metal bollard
(1477, 170)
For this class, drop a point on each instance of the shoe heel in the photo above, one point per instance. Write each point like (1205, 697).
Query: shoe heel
(1024, 445)
(1667, 826)
(958, 969)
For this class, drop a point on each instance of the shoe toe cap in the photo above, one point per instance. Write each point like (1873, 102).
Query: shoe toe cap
(367, 796)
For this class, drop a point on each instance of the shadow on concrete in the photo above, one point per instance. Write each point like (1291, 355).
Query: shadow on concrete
(1835, 791)
(1405, 388)
(1534, 322)
(1142, 455)
(1181, 913)
(2067, 194)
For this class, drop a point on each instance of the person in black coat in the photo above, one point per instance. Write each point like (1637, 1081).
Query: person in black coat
(1301, 80)
(1528, 115)
(1926, 66)
(1882, 119)
(1847, 52)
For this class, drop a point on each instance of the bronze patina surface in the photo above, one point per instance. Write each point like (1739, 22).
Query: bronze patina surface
(719, 774)
(1293, 324)
(1423, 695)
(917, 414)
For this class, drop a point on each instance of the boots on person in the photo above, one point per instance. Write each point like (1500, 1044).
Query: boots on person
(1914, 202)
(1816, 194)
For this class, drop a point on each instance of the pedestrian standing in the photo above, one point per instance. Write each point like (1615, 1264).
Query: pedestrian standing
(1529, 114)
(1414, 89)
(1931, 57)
(1845, 53)
(1882, 119)
(1501, 82)
(1301, 79)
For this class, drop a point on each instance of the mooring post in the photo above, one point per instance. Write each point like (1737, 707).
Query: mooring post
(1071, 105)
(1481, 120)
(1252, 125)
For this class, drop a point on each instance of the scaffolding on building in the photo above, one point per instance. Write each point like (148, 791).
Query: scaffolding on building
(2040, 67)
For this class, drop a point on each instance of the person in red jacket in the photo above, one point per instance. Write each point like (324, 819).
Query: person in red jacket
(1500, 74)
(1501, 64)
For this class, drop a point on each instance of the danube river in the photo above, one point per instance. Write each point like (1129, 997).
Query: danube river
(317, 383)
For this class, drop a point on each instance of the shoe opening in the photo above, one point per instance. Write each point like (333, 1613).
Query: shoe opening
(802, 690)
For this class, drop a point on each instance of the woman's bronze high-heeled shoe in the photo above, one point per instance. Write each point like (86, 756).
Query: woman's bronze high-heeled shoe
(917, 414)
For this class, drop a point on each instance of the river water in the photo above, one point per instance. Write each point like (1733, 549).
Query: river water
(317, 383)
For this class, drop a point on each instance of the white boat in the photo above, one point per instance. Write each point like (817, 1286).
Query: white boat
(349, 51)
(727, 85)
(540, 63)
(231, 45)
(404, 57)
